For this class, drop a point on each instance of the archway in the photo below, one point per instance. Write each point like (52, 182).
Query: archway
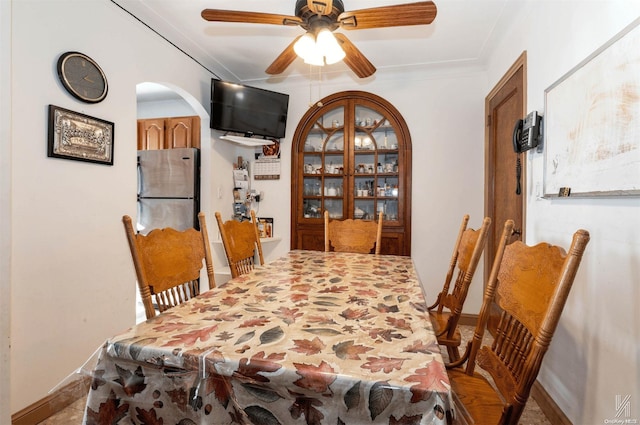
(161, 99)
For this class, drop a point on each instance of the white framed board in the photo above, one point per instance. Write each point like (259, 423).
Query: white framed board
(592, 123)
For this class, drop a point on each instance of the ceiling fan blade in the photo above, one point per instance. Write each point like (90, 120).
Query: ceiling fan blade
(285, 59)
(421, 13)
(354, 57)
(218, 15)
(320, 7)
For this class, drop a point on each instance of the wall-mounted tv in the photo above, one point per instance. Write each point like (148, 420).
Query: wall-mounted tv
(248, 110)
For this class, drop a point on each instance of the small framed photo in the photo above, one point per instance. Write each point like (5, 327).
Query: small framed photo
(79, 137)
(265, 226)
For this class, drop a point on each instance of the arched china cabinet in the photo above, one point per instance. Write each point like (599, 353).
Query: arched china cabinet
(352, 157)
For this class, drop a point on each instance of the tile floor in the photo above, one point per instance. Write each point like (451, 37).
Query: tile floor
(73, 414)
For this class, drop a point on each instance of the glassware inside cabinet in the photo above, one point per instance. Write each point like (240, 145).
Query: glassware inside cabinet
(335, 142)
(363, 209)
(388, 163)
(364, 141)
(333, 187)
(314, 142)
(387, 139)
(367, 118)
(312, 164)
(334, 206)
(312, 208)
(389, 208)
(312, 186)
(365, 164)
(333, 119)
(364, 187)
(387, 187)
(333, 165)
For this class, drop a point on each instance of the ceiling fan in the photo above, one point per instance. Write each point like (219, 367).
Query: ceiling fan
(322, 17)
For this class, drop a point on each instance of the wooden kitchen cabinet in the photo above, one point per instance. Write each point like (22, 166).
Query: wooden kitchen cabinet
(169, 133)
(352, 157)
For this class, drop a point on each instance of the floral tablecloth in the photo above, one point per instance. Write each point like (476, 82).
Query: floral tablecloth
(311, 338)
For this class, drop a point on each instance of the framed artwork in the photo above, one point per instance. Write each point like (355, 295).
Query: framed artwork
(592, 123)
(265, 226)
(79, 137)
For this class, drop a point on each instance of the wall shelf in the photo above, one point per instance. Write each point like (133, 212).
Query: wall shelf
(246, 141)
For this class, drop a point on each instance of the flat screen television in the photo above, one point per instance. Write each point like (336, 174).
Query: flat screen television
(248, 110)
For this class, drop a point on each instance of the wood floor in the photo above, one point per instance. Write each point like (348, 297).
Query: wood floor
(73, 414)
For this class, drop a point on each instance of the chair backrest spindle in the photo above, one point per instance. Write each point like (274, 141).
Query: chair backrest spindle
(529, 285)
(241, 242)
(168, 264)
(446, 311)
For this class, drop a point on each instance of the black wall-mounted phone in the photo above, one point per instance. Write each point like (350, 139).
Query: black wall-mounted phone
(526, 133)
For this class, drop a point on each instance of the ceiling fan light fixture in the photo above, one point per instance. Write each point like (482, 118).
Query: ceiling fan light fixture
(306, 48)
(314, 58)
(329, 47)
(305, 45)
(319, 49)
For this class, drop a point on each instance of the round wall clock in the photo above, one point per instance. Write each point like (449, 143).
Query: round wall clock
(82, 77)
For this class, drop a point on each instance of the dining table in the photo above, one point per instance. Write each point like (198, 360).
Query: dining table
(310, 338)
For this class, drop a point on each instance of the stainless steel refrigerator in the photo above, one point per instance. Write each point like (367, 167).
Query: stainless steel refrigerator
(168, 189)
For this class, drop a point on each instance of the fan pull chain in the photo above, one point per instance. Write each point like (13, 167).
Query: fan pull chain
(319, 86)
(311, 102)
(310, 87)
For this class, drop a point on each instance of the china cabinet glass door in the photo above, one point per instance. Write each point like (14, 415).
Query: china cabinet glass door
(351, 157)
(324, 166)
(375, 152)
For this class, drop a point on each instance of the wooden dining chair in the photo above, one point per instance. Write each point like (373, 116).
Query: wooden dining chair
(349, 235)
(168, 264)
(445, 312)
(241, 241)
(529, 285)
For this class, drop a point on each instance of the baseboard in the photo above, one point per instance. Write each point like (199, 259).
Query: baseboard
(468, 319)
(52, 404)
(548, 406)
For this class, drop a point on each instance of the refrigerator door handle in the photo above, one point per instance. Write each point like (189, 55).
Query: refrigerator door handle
(138, 226)
(140, 182)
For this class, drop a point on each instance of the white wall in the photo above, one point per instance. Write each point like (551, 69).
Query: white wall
(72, 281)
(5, 210)
(594, 355)
(164, 108)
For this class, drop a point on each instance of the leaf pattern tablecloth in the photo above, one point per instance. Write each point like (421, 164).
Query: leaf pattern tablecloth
(311, 338)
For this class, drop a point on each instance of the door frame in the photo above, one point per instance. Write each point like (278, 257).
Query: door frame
(489, 195)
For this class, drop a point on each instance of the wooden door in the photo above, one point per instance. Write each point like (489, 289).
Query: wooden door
(151, 134)
(504, 105)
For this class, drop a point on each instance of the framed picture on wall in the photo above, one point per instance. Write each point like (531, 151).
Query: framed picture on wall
(265, 225)
(79, 137)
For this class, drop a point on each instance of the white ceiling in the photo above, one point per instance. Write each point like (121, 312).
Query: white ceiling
(240, 52)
